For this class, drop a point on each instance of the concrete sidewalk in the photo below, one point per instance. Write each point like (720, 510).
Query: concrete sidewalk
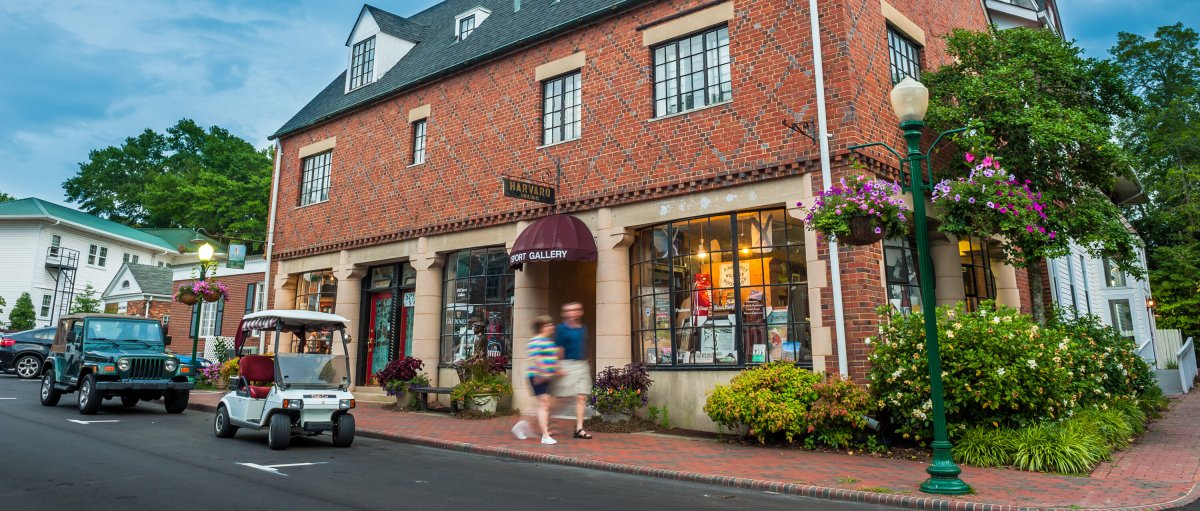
(1160, 471)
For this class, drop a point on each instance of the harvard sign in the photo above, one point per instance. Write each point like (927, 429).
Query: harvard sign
(528, 191)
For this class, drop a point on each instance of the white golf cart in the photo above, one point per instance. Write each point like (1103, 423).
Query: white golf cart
(290, 394)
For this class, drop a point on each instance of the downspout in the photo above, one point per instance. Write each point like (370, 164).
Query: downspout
(827, 177)
(270, 236)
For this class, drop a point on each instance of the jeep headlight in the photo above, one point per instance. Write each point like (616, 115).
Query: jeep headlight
(123, 364)
(170, 365)
(345, 404)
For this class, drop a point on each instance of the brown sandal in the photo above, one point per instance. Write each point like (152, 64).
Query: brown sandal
(579, 433)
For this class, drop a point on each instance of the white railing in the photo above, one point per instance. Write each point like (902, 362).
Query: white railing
(1166, 345)
(1146, 351)
(1187, 364)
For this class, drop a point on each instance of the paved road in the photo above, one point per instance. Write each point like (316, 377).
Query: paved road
(151, 460)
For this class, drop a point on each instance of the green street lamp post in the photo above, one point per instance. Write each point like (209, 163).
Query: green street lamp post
(205, 255)
(910, 100)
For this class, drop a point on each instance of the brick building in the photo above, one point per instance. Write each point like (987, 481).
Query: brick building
(661, 127)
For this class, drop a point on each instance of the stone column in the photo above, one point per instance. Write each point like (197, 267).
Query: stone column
(530, 299)
(821, 327)
(427, 312)
(613, 332)
(1006, 284)
(947, 271)
(285, 298)
(348, 305)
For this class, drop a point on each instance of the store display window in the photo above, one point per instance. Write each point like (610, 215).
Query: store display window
(477, 301)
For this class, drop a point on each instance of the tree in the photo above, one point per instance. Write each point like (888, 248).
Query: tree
(188, 177)
(4, 197)
(1162, 132)
(1047, 114)
(86, 301)
(22, 316)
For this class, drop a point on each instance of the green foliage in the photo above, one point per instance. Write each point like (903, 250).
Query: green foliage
(616, 400)
(22, 317)
(86, 301)
(984, 446)
(1000, 369)
(187, 177)
(2, 304)
(1113, 426)
(661, 416)
(1057, 448)
(840, 412)
(486, 384)
(4, 197)
(1175, 279)
(771, 400)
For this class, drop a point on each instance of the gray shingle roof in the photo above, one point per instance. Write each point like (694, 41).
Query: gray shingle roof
(152, 279)
(438, 54)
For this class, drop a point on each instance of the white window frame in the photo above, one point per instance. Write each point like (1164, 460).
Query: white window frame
(420, 136)
(208, 320)
(97, 255)
(464, 31)
(362, 63)
(55, 244)
(478, 13)
(47, 303)
(672, 72)
(562, 105)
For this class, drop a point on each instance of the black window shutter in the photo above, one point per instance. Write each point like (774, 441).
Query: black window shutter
(251, 295)
(220, 312)
(195, 320)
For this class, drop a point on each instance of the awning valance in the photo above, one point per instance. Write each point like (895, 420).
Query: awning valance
(553, 238)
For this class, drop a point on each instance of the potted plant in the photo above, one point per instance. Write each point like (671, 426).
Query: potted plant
(186, 295)
(210, 290)
(483, 381)
(859, 211)
(619, 392)
(399, 375)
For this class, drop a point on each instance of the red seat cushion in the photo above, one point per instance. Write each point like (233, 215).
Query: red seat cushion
(257, 392)
(257, 368)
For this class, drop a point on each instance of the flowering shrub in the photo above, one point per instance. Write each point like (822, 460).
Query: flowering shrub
(840, 411)
(1104, 364)
(229, 368)
(998, 368)
(770, 401)
(862, 196)
(990, 200)
(621, 390)
(212, 372)
(399, 374)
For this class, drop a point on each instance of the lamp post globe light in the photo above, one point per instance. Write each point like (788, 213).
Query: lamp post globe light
(910, 101)
(205, 255)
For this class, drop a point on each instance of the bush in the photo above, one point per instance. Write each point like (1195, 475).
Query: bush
(985, 447)
(399, 374)
(998, 369)
(1104, 364)
(621, 390)
(771, 400)
(839, 414)
(1057, 448)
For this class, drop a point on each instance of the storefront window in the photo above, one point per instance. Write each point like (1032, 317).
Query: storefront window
(477, 304)
(978, 282)
(725, 290)
(317, 291)
(903, 279)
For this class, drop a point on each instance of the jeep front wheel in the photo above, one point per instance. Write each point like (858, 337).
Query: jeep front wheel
(279, 434)
(221, 425)
(176, 401)
(89, 395)
(49, 394)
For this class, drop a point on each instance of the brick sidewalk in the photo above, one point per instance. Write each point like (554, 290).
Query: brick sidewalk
(1159, 472)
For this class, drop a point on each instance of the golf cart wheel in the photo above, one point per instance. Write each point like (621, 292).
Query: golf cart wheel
(221, 425)
(343, 430)
(89, 395)
(129, 401)
(49, 394)
(176, 401)
(279, 433)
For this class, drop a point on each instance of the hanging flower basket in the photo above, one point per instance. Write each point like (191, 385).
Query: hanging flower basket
(186, 296)
(859, 211)
(209, 290)
(864, 230)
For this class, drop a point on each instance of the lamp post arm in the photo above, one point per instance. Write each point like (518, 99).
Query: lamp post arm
(928, 164)
(855, 148)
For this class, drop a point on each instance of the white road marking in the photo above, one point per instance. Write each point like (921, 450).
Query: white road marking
(76, 421)
(7, 398)
(274, 469)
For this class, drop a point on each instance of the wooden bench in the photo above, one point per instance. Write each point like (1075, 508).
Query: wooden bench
(426, 391)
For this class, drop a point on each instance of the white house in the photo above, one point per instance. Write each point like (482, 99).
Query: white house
(53, 252)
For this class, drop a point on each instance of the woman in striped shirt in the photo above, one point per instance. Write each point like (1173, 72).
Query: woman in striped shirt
(543, 366)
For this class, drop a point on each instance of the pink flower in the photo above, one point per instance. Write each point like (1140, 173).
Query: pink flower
(878, 230)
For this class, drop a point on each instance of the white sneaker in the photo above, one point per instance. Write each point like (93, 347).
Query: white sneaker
(548, 441)
(521, 430)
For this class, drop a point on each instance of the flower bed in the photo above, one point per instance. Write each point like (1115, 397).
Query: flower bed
(621, 391)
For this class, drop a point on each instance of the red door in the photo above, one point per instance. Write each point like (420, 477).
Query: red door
(379, 334)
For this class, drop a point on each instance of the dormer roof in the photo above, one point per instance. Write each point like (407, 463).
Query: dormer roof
(390, 24)
(438, 54)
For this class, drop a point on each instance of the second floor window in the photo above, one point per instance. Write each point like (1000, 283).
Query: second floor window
(97, 255)
(692, 72)
(45, 312)
(466, 26)
(130, 258)
(1113, 276)
(362, 63)
(905, 56)
(315, 179)
(560, 109)
(418, 149)
(55, 242)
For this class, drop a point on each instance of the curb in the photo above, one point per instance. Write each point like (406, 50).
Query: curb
(802, 490)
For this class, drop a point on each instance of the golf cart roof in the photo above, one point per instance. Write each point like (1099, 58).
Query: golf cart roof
(292, 320)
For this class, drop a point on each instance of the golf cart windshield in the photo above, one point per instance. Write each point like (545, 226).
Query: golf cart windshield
(312, 370)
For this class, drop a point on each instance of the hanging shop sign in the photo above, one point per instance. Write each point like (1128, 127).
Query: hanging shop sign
(528, 191)
(237, 256)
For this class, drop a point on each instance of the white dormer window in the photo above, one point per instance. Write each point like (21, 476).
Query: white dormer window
(466, 26)
(465, 23)
(362, 63)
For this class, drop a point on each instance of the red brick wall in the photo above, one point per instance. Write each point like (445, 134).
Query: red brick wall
(158, 308)
(235, 308)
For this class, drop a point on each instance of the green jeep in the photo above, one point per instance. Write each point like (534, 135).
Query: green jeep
(103, 356)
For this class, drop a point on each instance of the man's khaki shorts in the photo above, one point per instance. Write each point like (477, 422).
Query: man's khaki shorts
(576, 378)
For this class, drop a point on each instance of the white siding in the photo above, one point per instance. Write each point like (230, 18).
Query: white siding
(388, 49)
(1091, 288)
(22, 258)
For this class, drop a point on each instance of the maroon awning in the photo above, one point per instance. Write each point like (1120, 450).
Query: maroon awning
(553, 238)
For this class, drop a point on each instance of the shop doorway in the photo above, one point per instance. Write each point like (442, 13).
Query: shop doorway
(389, 298)
(575, 281)
(379, 334)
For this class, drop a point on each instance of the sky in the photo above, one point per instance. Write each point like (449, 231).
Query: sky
(78, 75)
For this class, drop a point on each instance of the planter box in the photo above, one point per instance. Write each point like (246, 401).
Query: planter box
(484, 403)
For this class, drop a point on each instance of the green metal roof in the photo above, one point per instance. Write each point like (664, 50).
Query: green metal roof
(438, 54)
(181, 239)
(34, 207)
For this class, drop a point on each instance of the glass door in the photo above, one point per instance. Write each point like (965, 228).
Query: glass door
(379, 334)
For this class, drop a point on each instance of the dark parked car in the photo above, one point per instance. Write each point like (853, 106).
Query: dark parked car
(24, 352)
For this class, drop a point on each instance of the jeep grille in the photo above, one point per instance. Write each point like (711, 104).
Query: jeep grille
(145, 368)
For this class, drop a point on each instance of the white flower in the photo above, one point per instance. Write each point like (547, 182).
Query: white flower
(1001, 371)
(996, 319)
(897, 373)
(867, 341)
(950, 334)
(1032, 363)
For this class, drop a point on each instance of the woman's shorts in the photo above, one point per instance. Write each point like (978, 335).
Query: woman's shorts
(539, 388)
